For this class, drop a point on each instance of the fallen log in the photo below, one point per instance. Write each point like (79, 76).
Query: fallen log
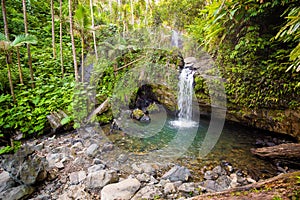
(99, 110)
(288, 154)
(280, 185)
(55, 118)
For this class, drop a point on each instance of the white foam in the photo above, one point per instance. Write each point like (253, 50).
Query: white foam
(182, 123)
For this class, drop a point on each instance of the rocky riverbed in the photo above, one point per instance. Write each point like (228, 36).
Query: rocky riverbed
(84, 164)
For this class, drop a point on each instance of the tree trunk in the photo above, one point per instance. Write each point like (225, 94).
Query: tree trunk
(93, 31)
(5, 19)
(82, 56)
(53, 29)
(8, 59)
(60, 39)
(10, 78)
(259, 190)
(99, 110)
(288, 154)
(132, 12)
(72, 40)
(28, 45)
(19, 66)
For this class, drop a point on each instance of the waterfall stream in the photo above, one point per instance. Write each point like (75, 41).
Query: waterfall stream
(185, 99)
(185, 96)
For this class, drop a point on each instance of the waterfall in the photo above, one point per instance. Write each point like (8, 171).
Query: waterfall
(185, 100)
(175, 39)
(185, 96)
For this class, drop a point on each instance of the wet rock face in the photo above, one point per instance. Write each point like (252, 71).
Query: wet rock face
(148, 95)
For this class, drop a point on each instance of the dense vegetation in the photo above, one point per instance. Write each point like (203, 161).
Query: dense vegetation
(255, 44)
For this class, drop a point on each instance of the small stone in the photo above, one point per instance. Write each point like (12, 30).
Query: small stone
(75, 192)
(122, 158)
(77, 147)
(169, 188)
(153, 180)
(59, 165)
(148, 192)
(53, 158)
(95, 168)
(250, 180)
(77, 177)
(143, 177)
(148, 168)
(223, 182)
(234, 183)
(219, 170)
(187, 187)
(210, 175)
(136, 169)
(97, 161)
(39, 146)
(92, 150)
(163, 182)
(42, 197)
(107, 147)
(123, 190)
(210, 185)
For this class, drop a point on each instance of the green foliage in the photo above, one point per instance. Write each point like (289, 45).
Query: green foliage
(28, 115)
(291, 32)
(9, 149)
(239, 36)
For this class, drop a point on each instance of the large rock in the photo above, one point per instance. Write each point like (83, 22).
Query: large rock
(123, 190)
(190, 61)
(15, 193)
(177, 173)
(99, 179)
(26, 166)
(6, 181)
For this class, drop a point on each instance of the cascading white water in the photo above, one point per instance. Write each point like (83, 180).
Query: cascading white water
(175, 39)
(185, 93)
(185, 96)
(185, 100)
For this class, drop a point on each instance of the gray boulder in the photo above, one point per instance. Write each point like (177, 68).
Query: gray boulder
(77, 177)
(99, 179)
(177, 173)
(123, 190)
(16, 193)
(26, 166)
(92, 150)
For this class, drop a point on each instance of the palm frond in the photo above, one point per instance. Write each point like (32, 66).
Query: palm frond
(24, 39)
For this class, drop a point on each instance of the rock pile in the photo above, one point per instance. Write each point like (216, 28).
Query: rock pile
(76, 166)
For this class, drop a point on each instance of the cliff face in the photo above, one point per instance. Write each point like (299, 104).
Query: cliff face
(281, 121)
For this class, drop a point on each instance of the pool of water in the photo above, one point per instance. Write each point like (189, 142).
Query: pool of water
(162, 140)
